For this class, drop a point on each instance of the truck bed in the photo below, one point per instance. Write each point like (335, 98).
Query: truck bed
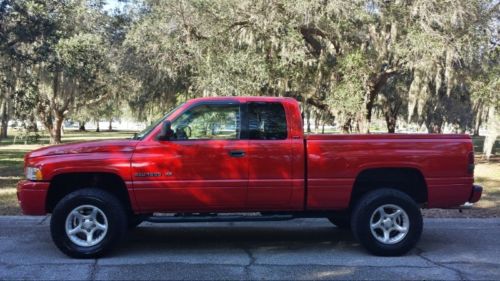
(334, 162)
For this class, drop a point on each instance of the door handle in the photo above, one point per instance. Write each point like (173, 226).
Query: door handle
(237, 153)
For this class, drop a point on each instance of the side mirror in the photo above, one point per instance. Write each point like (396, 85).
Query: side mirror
(166, 132)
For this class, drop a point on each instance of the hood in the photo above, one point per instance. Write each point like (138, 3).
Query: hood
(85, 147)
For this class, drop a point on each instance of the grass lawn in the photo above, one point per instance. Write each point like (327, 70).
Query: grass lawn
(11, 162)
(11, 171)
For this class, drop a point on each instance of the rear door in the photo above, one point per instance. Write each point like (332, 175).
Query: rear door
(269, 157)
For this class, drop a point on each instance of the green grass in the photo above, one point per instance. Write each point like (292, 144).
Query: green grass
(68, 136)
(11, 167)
(12, 157)
(11, 171)
(488, 175)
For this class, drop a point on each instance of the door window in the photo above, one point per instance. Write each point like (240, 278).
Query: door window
(208, 122)
(266, 121)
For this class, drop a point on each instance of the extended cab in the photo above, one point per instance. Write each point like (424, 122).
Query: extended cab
(226, 159)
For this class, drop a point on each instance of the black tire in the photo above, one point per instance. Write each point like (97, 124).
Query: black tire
(367, 206)
(341, 221)
(110, 206)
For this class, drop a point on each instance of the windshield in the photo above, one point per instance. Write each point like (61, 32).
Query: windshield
(145, 132)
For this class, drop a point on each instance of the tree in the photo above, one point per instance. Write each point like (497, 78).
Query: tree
(18, 29)
(440, 51)
(485, 86)
(429, 63)
(67, 60)
(392, 102)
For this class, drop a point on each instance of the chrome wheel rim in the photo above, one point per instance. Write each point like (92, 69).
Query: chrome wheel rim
(389, 224)
(86, 225)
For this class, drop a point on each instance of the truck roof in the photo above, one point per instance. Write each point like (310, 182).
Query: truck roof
(245, 98)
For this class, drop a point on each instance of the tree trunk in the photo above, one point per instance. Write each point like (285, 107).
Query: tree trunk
(373, 87)
(478, 121)
(5, 119)
(316, 123)
(434, 122)
(364, 122)
(55, 132)
(97, 128)
(477, 117)
(82, 126)
(434, 128)
(7, 102)
(390, 121)
(308, 119)
(347, 127)
(493, 128)
(476, 128)
(110, 127)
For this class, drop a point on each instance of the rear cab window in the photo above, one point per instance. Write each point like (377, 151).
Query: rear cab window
(266, 121)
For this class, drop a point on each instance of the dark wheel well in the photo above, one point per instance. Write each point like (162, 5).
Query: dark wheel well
(408, 180)
(63, 184)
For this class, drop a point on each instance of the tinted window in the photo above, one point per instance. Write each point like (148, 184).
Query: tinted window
(266, 121)
(208, 122)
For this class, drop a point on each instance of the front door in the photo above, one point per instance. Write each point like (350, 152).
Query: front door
(202, 168)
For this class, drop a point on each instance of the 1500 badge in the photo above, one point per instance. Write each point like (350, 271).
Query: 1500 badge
(142, 175)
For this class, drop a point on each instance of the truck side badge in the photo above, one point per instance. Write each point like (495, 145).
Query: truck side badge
(145, 175)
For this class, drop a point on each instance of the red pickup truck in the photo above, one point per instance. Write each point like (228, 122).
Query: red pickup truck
(246, 159)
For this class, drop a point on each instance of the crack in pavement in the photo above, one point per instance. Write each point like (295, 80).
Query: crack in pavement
(420, 253)
(252, 261)
(93, 270)
(43, 220)
(250, 258)
(472, 263)
(97, 266)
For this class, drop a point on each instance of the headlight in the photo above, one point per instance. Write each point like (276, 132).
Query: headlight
(34, 174)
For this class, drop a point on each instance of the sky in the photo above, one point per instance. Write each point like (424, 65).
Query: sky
(113, 4)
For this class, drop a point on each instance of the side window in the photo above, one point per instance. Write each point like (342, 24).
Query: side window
(208, 122)
(266, 121)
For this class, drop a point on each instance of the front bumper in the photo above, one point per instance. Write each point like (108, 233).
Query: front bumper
(475, 195)
(32, 197)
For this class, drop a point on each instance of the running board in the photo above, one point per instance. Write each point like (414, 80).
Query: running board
(228, 218)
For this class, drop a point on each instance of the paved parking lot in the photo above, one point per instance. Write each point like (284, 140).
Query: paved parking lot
(451, 249)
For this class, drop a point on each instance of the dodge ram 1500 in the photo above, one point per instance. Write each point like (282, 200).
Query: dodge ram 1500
(230, 158)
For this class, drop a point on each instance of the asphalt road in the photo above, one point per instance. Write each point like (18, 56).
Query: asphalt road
(299, 249)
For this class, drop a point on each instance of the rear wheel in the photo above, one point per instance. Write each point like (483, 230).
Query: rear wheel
(387, 222)
(87, 223)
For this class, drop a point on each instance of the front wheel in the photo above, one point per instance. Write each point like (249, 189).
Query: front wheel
(387, 222)
(87, 223)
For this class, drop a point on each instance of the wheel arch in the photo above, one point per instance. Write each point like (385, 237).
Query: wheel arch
(65, 183)
(409, 180)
